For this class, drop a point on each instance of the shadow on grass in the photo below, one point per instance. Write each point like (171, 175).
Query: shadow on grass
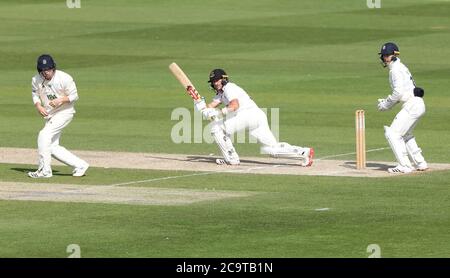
(372, 165)
(26, 170)
(210, 159)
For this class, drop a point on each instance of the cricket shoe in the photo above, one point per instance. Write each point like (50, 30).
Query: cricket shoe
(220, 161)
(423, 166)
(308, 159)
(40, 174)
(79, 172)
(399, 169)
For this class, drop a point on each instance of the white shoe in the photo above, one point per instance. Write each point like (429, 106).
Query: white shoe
(39, 174)
(308, 160)
(79, 172)
(400, 169)
(220, 161)
(422, 166)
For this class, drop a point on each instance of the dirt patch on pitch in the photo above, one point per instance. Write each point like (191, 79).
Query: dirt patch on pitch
(205, 163)
(110, 194)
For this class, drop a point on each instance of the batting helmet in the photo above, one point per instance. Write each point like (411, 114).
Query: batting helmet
(389, 48)
(45, 62)
(218, 74)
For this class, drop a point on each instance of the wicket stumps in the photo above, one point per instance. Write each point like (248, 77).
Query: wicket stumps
(360, 124)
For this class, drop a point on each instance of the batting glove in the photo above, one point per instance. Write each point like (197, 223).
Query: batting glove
(209, 113)
(200, 104)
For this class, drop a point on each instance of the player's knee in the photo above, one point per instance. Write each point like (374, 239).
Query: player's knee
(54, 148)
(408, 137)
(390, 133)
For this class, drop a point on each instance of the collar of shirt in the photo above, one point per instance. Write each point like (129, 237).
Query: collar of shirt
(219, 93)
(391, 65)
(46, 82)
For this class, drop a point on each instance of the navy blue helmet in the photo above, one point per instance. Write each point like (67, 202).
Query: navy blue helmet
(389, 48)
(45, 62)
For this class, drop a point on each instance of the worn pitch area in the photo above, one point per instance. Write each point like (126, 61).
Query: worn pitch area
(205, 163)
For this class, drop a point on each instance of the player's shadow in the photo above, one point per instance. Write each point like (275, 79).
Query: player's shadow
(26, 170)
(372, 165)
(189, 158)
(211, 159)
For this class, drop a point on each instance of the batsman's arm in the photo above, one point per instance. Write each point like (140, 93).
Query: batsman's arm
(199, 101)
(213, 104)
(231, 107)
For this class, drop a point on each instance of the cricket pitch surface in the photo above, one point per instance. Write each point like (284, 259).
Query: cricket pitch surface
(130, 194)
(206, 163)
(20, 191)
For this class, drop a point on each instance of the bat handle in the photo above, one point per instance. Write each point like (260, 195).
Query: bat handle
(192, 92)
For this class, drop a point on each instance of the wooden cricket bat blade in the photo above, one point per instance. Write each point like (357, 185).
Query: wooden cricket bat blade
(184, 80)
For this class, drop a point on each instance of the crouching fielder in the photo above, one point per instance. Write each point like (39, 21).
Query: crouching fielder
(400, 133)
(54, 94)
(243, 113)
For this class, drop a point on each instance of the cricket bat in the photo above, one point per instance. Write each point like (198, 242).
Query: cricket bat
(184, 81)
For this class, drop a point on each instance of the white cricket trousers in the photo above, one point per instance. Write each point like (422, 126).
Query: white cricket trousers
(255, 120)
(400, 133)
(48, 144)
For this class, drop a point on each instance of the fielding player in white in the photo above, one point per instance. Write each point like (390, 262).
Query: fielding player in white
(241, 112)
(400, 133)
(54, 94)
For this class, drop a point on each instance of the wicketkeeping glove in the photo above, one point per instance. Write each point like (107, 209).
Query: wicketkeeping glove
(382, 104)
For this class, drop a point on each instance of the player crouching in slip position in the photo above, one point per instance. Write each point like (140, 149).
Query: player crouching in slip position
(241, 112)
(400, 133)
(54, 94)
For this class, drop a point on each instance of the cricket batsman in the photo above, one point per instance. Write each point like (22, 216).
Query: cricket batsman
(54, 94)
(241, 112)
(400, 133)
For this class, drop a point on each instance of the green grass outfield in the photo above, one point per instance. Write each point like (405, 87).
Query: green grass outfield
(315, 60)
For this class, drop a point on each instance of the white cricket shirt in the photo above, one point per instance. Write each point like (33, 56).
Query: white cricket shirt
(44, 91)
(402, 82)
(232, 91)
